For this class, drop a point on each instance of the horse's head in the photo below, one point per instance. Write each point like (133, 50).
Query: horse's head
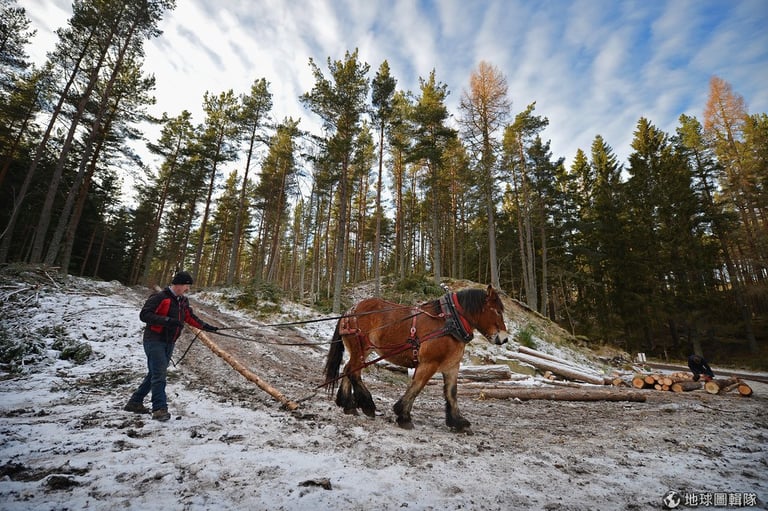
(497, 329)
(485, 311)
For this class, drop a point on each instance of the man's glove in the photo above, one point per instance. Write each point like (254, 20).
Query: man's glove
(210, 328)
(173, 322)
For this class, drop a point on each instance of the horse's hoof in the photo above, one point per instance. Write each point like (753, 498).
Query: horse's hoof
(370, 412)
(405, 424)
(350, 411)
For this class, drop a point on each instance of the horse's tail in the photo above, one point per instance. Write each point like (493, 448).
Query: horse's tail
(333, 361)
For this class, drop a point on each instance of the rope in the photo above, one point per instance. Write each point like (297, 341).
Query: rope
(318, 320)
(187, 350)
(251, 339)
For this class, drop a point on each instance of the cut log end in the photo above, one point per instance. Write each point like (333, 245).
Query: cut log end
(744, 389)
(721, 386)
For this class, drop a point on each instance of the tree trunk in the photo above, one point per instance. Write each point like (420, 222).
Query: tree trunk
(377, 238)
(565, 394)
(559, 369)
(206, 213)
(7, 233)
(234, 257)
(341, 235)
(720, 386)
(46, 212)
(685, 386)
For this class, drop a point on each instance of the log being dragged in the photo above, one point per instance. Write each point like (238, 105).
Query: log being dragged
(558, 369)
(247, 373)
(564, 394)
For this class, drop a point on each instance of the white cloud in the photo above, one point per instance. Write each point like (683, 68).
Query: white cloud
(592, 66)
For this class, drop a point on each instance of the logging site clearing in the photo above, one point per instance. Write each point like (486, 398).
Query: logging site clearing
(250, 429)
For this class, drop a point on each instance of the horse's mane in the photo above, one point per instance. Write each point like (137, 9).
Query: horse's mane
(473, 300)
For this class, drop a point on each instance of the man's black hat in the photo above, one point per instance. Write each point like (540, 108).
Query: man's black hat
(182, 278)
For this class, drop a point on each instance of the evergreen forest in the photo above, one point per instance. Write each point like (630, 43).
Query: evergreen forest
(666, 253)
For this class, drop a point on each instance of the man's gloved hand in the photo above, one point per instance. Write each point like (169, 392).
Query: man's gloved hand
(173, 322)
(210, 328)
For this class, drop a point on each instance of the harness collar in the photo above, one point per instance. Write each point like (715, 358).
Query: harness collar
(455, 322)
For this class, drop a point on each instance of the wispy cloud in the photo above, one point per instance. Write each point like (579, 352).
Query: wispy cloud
(592, 66)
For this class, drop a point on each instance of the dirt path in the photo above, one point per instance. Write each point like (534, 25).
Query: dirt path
(625, 455)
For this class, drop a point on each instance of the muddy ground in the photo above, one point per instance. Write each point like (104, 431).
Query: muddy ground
(521, 455)
(65, 442)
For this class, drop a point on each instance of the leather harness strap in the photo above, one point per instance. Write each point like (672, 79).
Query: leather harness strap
(456, 325)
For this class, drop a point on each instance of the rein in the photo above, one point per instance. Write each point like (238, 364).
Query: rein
(319, 320)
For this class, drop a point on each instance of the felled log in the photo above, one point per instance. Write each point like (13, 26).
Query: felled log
(559, 369)
(744, 389)
(618, 382)
(639, 382)
(480, 373)
(485, 372)
(720, 386)
(564, 394)
(685, 386)
(247, 373)
(546, 356)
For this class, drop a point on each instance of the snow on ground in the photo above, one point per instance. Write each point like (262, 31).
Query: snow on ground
(66, 443)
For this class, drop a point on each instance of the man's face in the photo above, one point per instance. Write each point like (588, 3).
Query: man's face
(180, 289)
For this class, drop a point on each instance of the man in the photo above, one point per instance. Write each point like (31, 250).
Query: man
(164, 313)
(699, 366)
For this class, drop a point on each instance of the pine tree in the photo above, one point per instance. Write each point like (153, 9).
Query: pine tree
(217, 147)
(517, 138)
(340, 102)
(255, 113)
(431, 136)
(382, 95)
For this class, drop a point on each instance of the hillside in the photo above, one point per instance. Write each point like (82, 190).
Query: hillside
(67, 444)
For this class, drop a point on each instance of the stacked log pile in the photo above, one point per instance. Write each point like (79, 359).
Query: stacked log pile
(682, 382)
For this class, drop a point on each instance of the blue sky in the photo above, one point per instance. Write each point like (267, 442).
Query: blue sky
(592, 66)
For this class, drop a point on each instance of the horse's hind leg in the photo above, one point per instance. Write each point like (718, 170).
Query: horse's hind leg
(362, 396)
(453, 418)
(344, 397)
(353, 394)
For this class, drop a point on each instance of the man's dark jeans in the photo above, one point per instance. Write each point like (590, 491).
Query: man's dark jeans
(158, 357)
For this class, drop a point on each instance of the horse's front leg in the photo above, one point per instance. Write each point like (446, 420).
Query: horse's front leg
(404, 405)
(453, 418)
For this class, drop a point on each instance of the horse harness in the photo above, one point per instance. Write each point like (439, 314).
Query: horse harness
(456, 325)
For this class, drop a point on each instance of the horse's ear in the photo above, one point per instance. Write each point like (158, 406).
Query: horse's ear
(490, 291)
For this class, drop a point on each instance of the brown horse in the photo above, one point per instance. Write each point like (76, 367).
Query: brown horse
(430, 337)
